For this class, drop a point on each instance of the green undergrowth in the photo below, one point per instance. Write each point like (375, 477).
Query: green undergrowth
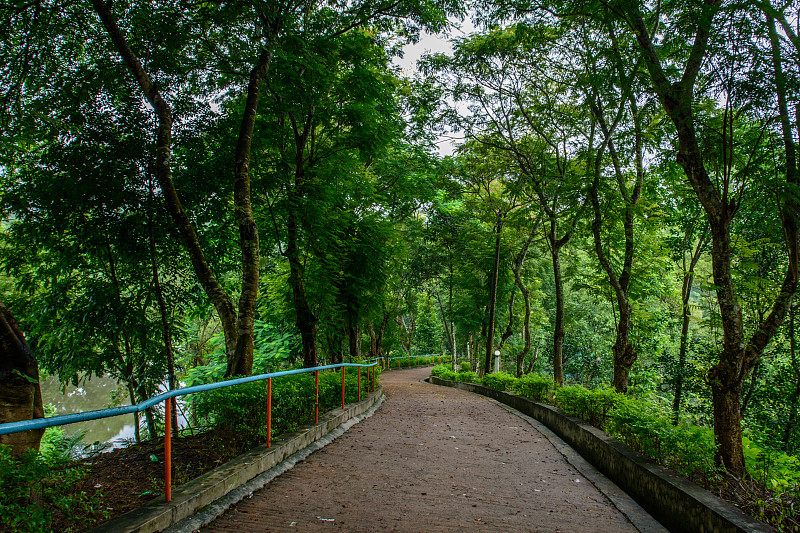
(416, 360)
(645, 425)
(37, 486)
(37, 490)
(240, 412)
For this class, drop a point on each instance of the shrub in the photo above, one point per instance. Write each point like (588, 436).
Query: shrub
(536, 387)
(463, 366)
(500, 381)
(443, 372)
(592, 405)
(648, 429)
(240, 411)
(468, 377)
(38, 485)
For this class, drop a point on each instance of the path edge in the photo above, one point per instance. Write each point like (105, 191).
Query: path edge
(198, 494)
(678, 504)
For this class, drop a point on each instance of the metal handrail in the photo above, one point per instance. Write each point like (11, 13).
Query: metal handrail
(61, 420)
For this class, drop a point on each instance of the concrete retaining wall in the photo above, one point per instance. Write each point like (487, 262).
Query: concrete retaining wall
(191, 497)
(677, 503)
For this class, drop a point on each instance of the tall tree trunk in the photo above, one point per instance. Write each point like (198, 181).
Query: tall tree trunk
(738, 355)
(304, 318)
(526, 325)
(162, 310)
(137, 435)
(241, 364)
(373, 342)
(382, 333)
(448, 326)
(519, 262)
(487, 368)
(623, 350)
(686, 315)
(237, 329)
(354, 341)
(20, 392)
(795, 397)
(532, 362)
(559, 330)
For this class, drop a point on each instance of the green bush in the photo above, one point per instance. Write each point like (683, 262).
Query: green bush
(463, 366)
(772, 468)
(500, 381)
(39, 484)
(536, 387)
(648, 429)
(443, 372)
(591, 405)
(241, 411)
(468, 377)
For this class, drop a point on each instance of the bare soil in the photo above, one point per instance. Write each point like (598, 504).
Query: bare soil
(430, 459)
(124, 479)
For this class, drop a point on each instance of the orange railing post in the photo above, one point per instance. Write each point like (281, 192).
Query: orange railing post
(359, 384)
(373, 380)
(269, 412)
(342, 387)
(316, 397)
(168, 449)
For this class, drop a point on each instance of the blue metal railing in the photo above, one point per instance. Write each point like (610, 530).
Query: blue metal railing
(61, 420)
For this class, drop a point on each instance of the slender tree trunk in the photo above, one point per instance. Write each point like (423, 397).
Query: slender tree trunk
(519, 262)
(382, 333)
(686, 315)
(304, 318)
(487, 367)
(137, 436)
(162, 310)
(354, 341)
(237, 328)
(533, 360)
(20, 391)
(559, 330)
(373, 341)
(448, 330)
(241, 364)
(795, 397)
(623, 350)
(526, 325)
(738, 355)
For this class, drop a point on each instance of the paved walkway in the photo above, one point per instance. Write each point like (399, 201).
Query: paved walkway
(430, 459)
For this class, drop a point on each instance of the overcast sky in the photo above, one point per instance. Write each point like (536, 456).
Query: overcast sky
(433, 43)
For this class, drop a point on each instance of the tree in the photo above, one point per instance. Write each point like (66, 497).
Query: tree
(719, 199)
(19, 385)
(517, 107)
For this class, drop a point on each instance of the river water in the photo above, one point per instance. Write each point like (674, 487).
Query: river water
(93, 394)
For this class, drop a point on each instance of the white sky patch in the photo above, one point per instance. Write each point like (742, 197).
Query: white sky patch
(434, 43)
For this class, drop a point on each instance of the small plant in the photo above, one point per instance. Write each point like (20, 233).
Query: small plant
(468, 377)
(463, 366)
(443, 372)
(591, 405)
(500, 380)
(39, 485)
(536, 387)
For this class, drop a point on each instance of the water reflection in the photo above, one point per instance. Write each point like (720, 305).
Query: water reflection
(93, 394)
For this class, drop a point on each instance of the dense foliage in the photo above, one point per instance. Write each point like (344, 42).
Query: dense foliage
(192, 192)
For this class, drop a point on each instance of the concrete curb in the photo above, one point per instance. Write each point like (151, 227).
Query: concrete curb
(678, 504)
(201, 492)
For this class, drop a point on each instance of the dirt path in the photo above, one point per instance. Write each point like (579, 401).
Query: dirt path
(430, 459)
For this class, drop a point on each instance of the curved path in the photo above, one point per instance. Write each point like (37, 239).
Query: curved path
(430, 459)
